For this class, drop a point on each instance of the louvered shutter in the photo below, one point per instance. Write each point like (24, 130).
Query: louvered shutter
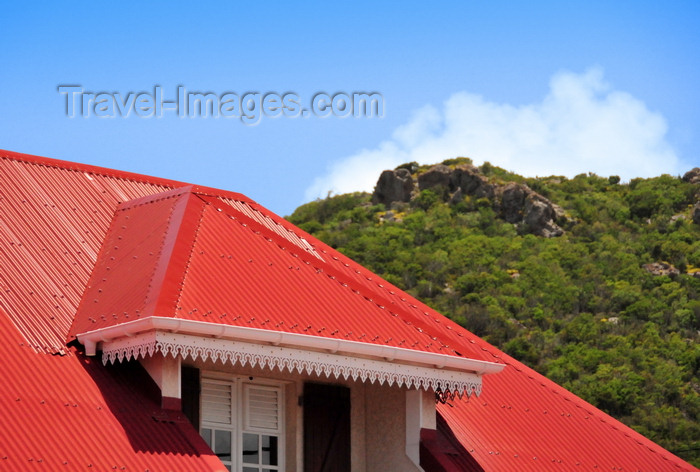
(262, 412)
(216, 402)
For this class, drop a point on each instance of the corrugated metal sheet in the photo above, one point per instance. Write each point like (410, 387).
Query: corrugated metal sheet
(367, 282)
(240, 275)
(268, 222)
(133, 252)
(72, 413)
(237, 271)
(413, 310)
(441, 451)
(52, 223)
(524, 422)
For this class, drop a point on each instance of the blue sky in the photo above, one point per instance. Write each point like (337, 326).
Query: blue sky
(536, 87)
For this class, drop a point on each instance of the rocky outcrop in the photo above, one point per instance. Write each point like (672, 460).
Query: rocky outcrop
(696, 213)
(512, 201)
(515, 203)
(661, 268)
(692, 176)
(519, 204)
(393, 186)
(539, 216)
(436, 176)
(471, 182)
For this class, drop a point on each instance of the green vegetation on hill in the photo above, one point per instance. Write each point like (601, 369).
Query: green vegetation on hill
(581, 308)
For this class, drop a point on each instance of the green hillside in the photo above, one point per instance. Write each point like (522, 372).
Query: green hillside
(592, 282)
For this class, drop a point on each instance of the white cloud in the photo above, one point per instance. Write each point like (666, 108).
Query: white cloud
(581, 125)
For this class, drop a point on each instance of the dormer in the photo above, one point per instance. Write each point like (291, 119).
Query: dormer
(282, 354)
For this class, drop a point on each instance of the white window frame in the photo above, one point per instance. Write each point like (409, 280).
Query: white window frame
(240, 413)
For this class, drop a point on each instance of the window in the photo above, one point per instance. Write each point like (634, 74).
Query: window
(243, 423)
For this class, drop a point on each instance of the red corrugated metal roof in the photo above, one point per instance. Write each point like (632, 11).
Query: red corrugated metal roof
(52, 223)
(54, 216)
(441, 451)
(522, 421)
(72, 413)
(203, 260)
(129, 274)
(271, 224)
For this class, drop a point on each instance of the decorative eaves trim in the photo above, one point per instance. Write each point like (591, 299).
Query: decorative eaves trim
(329, 356)
(292, 360)
(277, 338)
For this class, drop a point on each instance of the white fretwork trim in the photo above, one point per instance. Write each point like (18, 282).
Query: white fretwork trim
(290, 359)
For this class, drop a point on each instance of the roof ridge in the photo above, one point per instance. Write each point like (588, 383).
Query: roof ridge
(154, 198)
(185, 270)
(125, 175)
(179, 221)
(89, 168)
(211, 192)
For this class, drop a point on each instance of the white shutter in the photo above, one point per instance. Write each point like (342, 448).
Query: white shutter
(262, 408)
(217, 399)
